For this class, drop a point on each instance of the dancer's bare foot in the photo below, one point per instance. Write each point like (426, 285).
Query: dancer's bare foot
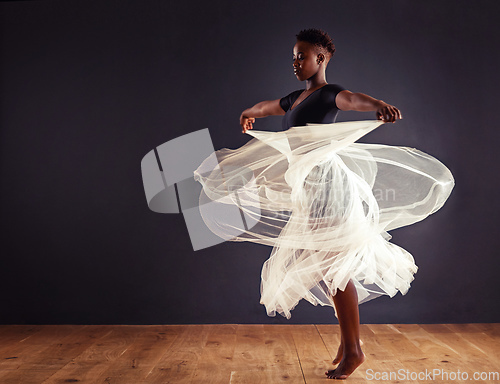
(350, 354)
(340, 352)
(348, 365)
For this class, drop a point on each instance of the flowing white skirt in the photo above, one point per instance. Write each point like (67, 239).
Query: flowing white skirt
(325, 204)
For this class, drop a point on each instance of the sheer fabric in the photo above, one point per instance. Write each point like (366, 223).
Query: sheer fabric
(325, 204)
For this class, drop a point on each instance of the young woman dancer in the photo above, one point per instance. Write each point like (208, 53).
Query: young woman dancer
(311, 54)
(309, 192)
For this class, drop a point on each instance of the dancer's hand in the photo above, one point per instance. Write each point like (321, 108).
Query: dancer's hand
(388, 113)
(349, 101)
(246, 123)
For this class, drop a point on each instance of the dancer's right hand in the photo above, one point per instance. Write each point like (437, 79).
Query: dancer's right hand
(246, 123)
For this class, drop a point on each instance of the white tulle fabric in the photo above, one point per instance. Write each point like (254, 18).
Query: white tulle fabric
(325, 203)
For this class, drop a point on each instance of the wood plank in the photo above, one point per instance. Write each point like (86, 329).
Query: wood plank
(140, 358)
(46, 359)
(248, 366)
(491, 329)
(281, 352)
(215, 363)
(257, 357)
(179, 362)
(408, 352)
(314, 357)
(436, 355)
(16, 352)
(380, 360)
(96, 359)
(14, 334)
(239, 353)
(477, 341)
(445, 351)
(330, 335)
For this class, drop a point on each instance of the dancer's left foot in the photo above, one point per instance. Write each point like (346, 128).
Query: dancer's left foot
(347, 365)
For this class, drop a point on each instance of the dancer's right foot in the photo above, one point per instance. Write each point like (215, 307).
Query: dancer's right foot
(340, 352)
(347, 365)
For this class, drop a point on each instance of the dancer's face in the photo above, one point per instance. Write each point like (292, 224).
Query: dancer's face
(305, 60)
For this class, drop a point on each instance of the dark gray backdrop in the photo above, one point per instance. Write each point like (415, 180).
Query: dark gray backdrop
(89, 87)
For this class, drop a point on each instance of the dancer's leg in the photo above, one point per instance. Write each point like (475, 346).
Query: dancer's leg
(340, 352)
(346, 304)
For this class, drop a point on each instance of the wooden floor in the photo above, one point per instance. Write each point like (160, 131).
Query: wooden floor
(255, 354)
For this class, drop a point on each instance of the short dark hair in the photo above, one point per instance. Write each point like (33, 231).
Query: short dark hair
(319, 38)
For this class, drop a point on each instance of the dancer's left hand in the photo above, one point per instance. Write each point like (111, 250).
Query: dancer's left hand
(388, 113)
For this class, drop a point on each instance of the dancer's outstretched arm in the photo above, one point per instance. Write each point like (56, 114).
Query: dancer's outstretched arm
(262, 109)
(349, 101)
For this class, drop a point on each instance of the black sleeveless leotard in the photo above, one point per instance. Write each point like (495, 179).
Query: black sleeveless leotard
(319, 107)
